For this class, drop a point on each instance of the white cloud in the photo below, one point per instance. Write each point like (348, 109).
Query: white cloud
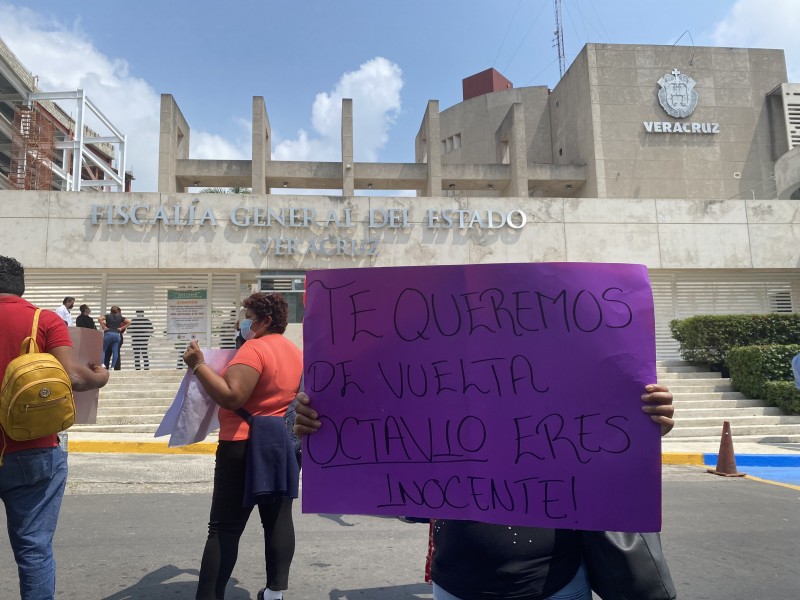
(208, 146)
(375, 90)
(759, 24)
(64, 59)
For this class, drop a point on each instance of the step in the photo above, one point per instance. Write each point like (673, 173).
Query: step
(137, 428)
(690, 396)
(775, 438)
(143, 392)
(134, 403)
(726, 413)
(695, 375)
(725, 386)
(128, 419)
(146, 375)
(738, 431)
(672, 362)
(141, 384)
(682, 404)
(145, 409)
(681, 369)
(735, 420)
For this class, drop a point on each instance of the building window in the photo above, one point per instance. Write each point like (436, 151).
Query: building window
(451, 143)
(291, 284)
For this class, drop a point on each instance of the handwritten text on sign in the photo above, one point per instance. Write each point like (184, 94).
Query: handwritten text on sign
(501, 393)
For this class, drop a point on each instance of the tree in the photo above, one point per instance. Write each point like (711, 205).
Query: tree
(231, 190)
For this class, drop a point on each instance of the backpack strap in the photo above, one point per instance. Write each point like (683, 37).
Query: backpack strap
(247, 417)
(244, 414)
(30, 341)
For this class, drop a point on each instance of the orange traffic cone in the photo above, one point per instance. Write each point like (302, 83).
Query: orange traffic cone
(726, 461)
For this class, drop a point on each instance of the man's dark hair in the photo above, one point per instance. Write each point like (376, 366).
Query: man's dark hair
(84, 308)
(67, 299)
(12, 276)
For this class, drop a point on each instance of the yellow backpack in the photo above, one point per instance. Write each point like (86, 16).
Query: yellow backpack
(36, 398)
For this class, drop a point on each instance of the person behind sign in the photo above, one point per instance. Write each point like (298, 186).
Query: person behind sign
(33, 473)
(113, 324)
(141, 328)
(262, 378)
(63, 311)
(85, 319)
(483, 561)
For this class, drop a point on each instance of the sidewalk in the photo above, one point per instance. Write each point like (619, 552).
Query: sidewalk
(775, 462)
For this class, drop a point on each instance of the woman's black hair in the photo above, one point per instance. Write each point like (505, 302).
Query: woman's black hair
(263, 305)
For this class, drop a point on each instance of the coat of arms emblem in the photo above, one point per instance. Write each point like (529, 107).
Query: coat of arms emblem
(677, 94)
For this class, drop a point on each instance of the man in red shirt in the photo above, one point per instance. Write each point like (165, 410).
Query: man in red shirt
(33, 473)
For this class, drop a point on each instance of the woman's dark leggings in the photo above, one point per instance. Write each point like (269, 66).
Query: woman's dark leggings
(227, 523)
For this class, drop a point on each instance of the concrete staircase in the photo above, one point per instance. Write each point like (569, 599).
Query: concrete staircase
(703, 400)
(135, 402)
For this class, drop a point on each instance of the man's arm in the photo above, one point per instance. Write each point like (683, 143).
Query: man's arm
(83, 377)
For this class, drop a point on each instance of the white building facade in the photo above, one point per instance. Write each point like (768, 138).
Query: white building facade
(682, 159)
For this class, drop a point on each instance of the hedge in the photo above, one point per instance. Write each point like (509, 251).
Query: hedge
(752, 366)
(784, 395)
(708, 338)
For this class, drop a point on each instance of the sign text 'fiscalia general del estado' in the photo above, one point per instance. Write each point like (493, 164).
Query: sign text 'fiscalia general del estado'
(339, 243)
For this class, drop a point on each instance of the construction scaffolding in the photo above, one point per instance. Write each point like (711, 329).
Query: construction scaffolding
(33, 139)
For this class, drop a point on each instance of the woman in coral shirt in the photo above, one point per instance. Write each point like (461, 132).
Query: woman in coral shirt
(263, 379)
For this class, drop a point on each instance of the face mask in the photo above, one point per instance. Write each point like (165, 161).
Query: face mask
(244, 329)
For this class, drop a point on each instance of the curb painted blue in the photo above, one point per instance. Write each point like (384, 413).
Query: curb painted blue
(758, 460)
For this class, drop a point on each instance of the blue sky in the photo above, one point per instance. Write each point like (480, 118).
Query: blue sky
(304, 55)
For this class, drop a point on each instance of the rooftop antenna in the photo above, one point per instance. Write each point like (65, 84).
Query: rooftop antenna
(558, 38)
(691, 60)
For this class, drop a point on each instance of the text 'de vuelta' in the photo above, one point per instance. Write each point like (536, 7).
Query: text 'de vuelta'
(506, 393)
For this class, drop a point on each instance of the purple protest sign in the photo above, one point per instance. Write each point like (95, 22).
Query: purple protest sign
(506, 393)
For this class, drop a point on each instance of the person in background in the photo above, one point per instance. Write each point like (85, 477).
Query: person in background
(33, 474)
(63, 311)
(483, 561)
(141, 328)
(263, 379)
(107, 356)
(113, 324)
(84, 319)
(239, 342)
(228, 331)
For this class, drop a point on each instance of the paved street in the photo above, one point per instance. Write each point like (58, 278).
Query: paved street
(133, 528)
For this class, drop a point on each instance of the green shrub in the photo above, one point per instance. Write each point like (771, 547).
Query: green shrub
(784, 395)
(708, 338)
(752, 366)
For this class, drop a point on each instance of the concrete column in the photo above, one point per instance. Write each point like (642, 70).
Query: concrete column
(173, 144)
(512, 148)
(348, 166)
(262, 146)
(428, 149)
